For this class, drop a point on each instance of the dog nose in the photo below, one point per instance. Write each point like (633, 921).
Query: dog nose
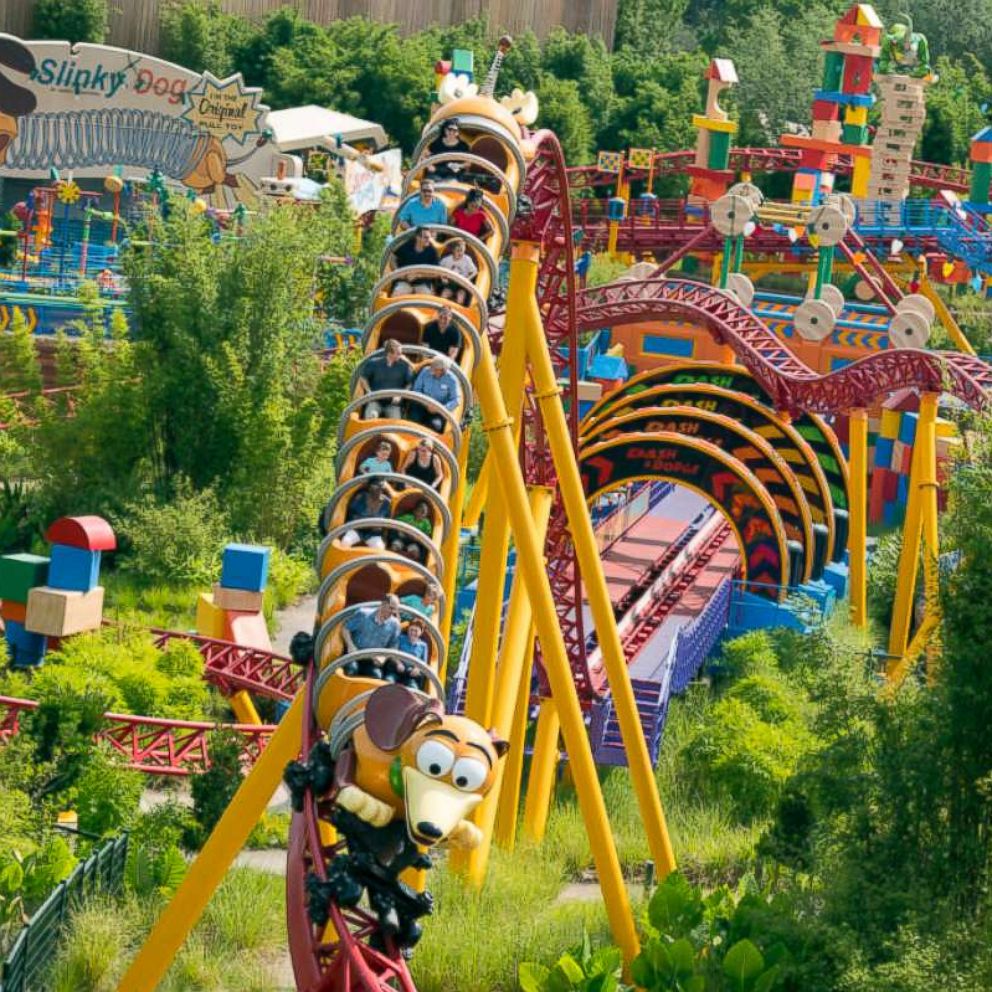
(427, 829)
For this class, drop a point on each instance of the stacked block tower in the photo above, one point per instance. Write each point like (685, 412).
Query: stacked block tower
(903, 72)
(840, 109)
(981, 167)
(46, 599)
(233, 611)
(710, 170)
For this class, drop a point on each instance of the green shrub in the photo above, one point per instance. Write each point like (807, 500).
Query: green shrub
(214, 789)
(769, 696)
(289, 578)
(750, 654)
(179, 542)
(883, 571)
(107, 794)
(740, 757)
(71, 20)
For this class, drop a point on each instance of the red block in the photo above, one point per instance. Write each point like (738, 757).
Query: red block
(876, 497)
(890, 486)
(13, 611)
(907, 460)
(247, 629)
(824, 110)
(89, 533)
(857, 73)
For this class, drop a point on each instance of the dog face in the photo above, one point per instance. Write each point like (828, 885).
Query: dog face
(432, 768)
(15, 100)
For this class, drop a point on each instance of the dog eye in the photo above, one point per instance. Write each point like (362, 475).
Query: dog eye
(434, 759)
(469, 774)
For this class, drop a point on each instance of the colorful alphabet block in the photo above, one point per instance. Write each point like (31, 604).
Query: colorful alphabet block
(245, 566)
(74, 568)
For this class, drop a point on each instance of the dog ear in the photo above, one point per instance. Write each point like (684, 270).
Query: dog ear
(394, 712)
(500, 746)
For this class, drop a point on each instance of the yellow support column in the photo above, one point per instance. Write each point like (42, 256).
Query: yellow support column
(495, 531)
(543, 766)
(505, 831)
(922, 491)
(207, 872)
(480, 492)
(594, 582)
(513, 654)
(244, 708)
(857, 542)
(450, 554)
(530, 564)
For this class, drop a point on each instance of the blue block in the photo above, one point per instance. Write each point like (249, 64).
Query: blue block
(836, 576)
(907, 427)
(74, 568)
(902, 492)
(883, 452)
(25, 648)
(845, 99)
(245, 566)
(890, 514)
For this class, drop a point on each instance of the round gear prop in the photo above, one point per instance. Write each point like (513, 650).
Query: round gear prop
(742, 288)
(814, 320)
(917, 303)
(730, 214)
(828, 224)
(909, 329)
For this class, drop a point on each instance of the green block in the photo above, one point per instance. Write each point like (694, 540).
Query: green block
(833, 71)
(719, 156)
(854, 134)
(19, 574)
(981, 176)
(463, 61)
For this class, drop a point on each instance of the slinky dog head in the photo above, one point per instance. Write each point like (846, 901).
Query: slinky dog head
(15, 100)
(431, 767)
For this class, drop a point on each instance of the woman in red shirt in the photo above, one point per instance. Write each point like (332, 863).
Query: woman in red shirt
(470, 217)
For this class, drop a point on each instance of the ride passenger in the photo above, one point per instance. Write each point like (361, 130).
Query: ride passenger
(458, 260)
(379, 462)
(437, 382)
(442, 335)
(411, 641)
(426, 604)
(420, 518)
(470, 217)
(425, 209)
(423, 463)
(370, 501)
(449, 142)
(419, 250)
(387, 371)
(373, 627)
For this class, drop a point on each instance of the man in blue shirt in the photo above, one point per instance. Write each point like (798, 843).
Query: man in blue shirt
(374, 627)
(424, 210)
(438, 382)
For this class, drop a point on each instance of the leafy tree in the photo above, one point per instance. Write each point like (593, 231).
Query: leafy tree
(71, 20)
(563, 111)
(197, 34)
(19, 368)
(954, 109)
(643, 26)
(214, 789)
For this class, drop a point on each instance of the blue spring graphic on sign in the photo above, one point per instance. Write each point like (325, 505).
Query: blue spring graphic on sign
(109, 137)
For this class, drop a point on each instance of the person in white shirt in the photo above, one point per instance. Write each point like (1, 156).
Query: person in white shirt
(457, 259)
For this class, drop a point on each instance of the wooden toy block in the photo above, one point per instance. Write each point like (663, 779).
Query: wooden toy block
(851, 48)
(89, 533)
(890, 485)
(209, 616)
(719, 154)
(61, 612)
(13, 611)
(854, 134)
(245, 566)
(825, 111)
(246, 600)
(857, 74)
(248, 629)
(827, 130)
(19, 574)
(855, 115)
(711, 125)
(833, 69)
(73, 568)
(463, 62)
(890, 424)
(24, 648)
(981, 152)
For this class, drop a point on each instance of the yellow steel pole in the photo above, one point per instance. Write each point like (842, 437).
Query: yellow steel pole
(857, 542)
(480, 492)
(496, 531)
(505, 831)
(921, 490)
(509, 672)
(186, 907)
(594, 583)
(543, 765)
(530, 564)
(450, 554)
(244, 707)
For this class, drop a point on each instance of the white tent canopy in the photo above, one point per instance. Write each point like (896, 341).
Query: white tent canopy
(318, 127)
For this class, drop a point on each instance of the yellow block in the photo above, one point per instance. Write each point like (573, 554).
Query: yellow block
(946, 428)
(856, 115)
(860, 177)
(708, 124)
(209, 616)
(890, 424)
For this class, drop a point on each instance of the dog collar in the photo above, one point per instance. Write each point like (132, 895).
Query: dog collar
(396, 776)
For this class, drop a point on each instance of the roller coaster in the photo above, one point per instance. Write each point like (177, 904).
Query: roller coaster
(773, 502)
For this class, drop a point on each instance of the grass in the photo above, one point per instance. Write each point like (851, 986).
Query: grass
(235, 947)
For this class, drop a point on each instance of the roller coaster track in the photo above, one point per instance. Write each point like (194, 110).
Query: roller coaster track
(929, 175)
(152, 745)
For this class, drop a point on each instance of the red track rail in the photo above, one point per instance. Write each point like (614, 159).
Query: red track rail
(232, 667)
(150, 744)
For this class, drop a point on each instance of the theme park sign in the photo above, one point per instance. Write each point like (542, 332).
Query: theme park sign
(88, 109)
